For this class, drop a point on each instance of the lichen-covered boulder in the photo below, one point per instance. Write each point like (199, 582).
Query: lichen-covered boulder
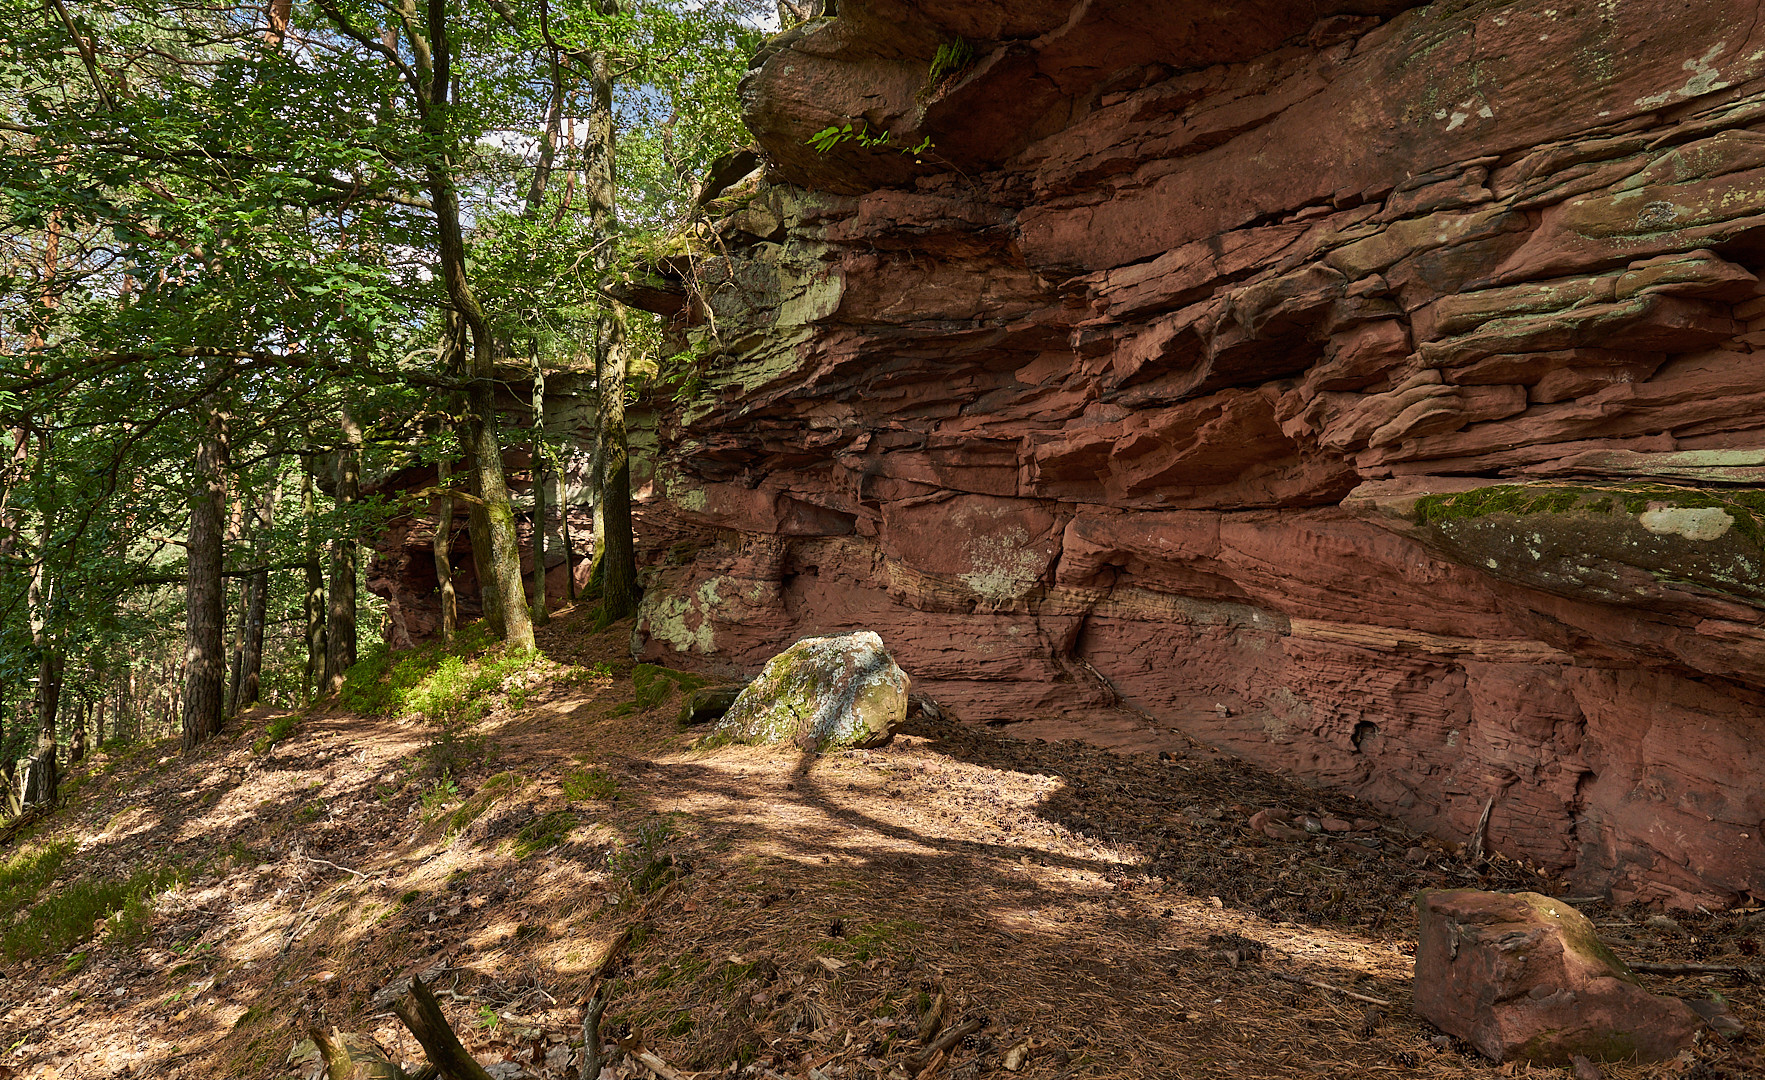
(1523, 977)
(823, 693)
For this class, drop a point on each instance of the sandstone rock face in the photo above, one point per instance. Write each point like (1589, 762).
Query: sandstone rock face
(1370, 389)
(823, 693)
(1524, 977)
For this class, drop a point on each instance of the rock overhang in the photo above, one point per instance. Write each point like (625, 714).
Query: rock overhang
(1191, 337)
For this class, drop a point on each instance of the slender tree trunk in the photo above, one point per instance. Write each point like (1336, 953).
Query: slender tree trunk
(76, 749)
(314, 606)
(540, 613)
(42, 784)
(340, 626)
(257, 608)
(205, 661)
(616, 561)
(564, 534)
(503, 557)
(236, 656)
(505, 552)
(478, 528)
(444, 531)
(98, 721)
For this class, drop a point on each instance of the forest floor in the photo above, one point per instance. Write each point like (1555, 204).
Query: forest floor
(1093, 914)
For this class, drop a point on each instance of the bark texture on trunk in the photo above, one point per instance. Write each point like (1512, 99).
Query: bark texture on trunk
(315, 590)
(340, 611)
(444, 570)
(540, 614)
(505, 552)
(615, 555)
(42, 779)
(205, 659)
(257, 603)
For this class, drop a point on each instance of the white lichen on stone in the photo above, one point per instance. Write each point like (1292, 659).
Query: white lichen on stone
(1003, 565)
(1704, 80)
(1693, 523)
(665, 618)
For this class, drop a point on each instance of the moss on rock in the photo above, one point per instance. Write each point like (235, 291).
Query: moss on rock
(825, 693)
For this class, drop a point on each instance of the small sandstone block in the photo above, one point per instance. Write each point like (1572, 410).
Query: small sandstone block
(823, 693)
(1336, 824)
(1524, 978)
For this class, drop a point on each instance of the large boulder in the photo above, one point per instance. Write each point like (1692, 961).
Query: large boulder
(1523, 977)
(823, 693)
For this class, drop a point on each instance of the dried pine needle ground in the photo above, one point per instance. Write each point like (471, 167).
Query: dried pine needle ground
(1068, 911)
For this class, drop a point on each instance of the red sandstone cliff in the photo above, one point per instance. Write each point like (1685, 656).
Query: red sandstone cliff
(1199, 359)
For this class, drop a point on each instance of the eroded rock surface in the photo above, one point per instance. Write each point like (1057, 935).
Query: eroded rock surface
(1524, 977)
(1369, 389)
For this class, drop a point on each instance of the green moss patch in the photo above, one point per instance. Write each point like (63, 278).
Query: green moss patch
(651, 686)
(1746, 507)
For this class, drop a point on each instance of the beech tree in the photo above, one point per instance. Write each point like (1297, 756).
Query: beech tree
(243, 247)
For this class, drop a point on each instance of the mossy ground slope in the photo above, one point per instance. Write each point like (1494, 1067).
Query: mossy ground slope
(788, 914)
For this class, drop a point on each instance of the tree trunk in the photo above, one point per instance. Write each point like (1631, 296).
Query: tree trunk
(564, 534)
(315, 591)
(540, 614)
(98, 722)
(205, 664)
(478, 528)
(76, 749)
(503, 556)
(257, 607)
(340, 613)
(505, 553)
(615, 554)
(236, 655)
(42, 781)
(444, 531)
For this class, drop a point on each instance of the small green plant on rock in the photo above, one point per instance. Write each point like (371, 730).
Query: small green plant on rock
(830, 138)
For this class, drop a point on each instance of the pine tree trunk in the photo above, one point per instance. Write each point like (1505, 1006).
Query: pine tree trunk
(444, 571)
(340, 629)
(205, 659)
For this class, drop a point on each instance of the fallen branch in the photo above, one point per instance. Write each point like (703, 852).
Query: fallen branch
(1751, 974)
(348, 1056)
(591, 1037)
(943, 1043)
(334, 866)
(1303, 981)
(656, 1065)
(422, 1014)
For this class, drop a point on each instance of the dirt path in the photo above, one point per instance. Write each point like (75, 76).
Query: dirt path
(1109, 915)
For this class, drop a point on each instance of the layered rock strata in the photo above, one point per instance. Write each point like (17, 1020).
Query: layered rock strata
(1368, 389)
